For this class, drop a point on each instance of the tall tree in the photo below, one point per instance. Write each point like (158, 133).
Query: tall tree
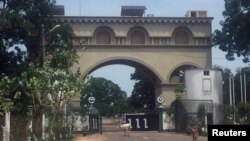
(20, 45)
(46, 87)
(20, 26)
(110, 99)
(238, 83)
(143, 94)
(21, 22)
(233, 38)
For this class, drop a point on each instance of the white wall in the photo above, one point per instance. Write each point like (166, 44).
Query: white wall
(200, 86)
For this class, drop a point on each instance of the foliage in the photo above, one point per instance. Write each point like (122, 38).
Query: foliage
(180, 115)
(47, 88)
(61, 86)
(238, 114)
(226, 73)
(24, 80)
(179, 90)
(243, 113)
(229, 111)
(5, 88)
(20, 23)
(201, 113)
(143, 94)
(233, 38)
(60, 49)
(109, 98)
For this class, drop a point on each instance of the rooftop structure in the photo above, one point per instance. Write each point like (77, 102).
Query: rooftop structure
(133, 11)
(58, 10)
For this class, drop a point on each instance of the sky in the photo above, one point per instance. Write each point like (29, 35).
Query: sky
(120, 74)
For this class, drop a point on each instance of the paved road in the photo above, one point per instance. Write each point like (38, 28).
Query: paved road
(138, 136)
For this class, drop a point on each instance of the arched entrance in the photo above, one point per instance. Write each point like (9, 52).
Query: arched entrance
(108, 125)
(132, 62)
(155, 45)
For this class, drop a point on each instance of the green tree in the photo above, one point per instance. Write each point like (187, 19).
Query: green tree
(180, 114)
(20, 26)
(20, 23)
(5, 88)
(47, 87)
(243, 113)
(143, 94)
(109, 98)
(201, 113)
(238, 114)
(233, 38)
(244, 71)
(226, 74)
(179, 90)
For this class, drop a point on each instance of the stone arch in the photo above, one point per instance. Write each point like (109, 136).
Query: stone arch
(137, 35)
(182, 36)
(133, 62)
(103, 35)
(176, 74)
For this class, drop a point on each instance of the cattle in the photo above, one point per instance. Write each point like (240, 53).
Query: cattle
(126, 128)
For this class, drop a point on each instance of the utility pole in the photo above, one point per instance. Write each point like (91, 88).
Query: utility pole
(233, 99)
(43, 44)
(43, 55)
(241, 89)
(233, 92)
(230, 90)
(245, 89)
(43, 34)
(6, 128)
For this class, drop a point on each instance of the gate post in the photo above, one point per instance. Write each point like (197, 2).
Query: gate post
(160, 112)
(100, 123)
(6, 129)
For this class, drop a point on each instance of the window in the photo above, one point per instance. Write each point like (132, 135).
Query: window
(206, 73)
(193, 14)
(103, 37)
(182, 36)
(206, 85)
(137, 37)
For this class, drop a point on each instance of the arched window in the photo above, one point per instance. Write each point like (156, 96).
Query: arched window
(103, 36)
(137, 37)
(182, 36)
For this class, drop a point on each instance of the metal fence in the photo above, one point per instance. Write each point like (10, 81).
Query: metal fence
(190, 113)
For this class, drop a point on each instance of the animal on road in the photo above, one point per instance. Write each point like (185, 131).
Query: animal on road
(126, 128)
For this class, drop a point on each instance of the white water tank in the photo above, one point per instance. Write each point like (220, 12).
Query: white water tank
(205, 85)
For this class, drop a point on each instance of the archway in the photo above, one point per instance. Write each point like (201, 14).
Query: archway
(143, 70)
(129, 62)
(133, 62)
